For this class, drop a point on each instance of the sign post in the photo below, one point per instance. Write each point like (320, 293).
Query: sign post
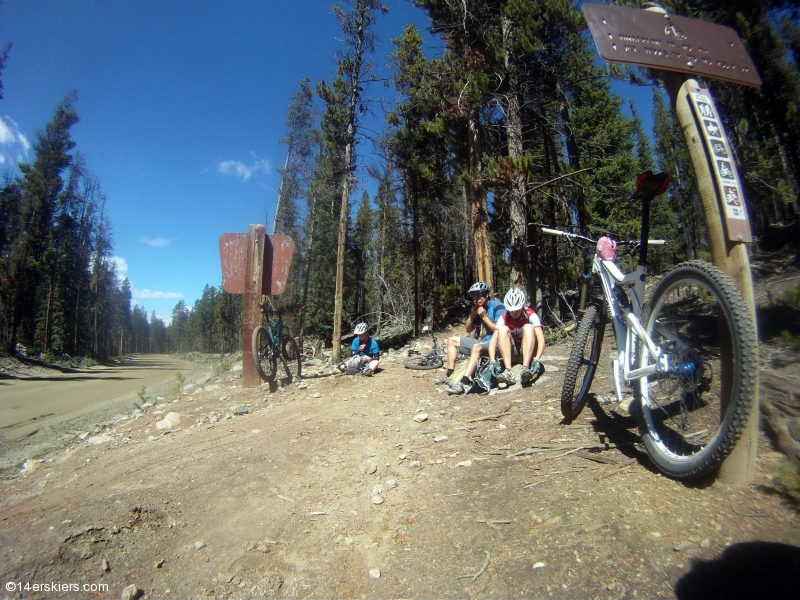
(684, 47)
(256, 265)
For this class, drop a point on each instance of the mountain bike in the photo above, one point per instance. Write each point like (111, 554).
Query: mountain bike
(429, 360)
(689, 354)
(272, 341)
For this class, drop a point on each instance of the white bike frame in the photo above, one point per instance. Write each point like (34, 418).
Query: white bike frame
(626, 320)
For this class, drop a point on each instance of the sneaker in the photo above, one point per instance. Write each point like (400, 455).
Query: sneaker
(442, 379)
(367, 372)
(457, 387)
(342, 368)
(526, 376)
(506, 377)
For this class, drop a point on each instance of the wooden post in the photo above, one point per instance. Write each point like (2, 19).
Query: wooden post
(730, 257)
(254, 280)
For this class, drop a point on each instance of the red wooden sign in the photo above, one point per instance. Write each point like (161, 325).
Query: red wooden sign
(277, 255)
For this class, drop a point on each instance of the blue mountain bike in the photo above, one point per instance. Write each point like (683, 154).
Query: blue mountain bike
(272, 342)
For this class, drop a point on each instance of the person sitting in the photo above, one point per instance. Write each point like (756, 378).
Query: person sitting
(484, 314)
(366, 353)
(467, 381)
(520, 339)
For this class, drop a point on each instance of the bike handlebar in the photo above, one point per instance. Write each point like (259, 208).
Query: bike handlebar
(575, 236)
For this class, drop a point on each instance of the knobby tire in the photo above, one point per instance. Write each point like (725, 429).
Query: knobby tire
(263, 356)
(582, 362)
(290, 355)
(691, 416)
(423, 362)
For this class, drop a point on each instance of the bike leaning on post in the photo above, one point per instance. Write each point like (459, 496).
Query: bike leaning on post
(272, 342)
(688, 354)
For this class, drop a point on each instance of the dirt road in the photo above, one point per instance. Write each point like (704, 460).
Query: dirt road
(39, 400)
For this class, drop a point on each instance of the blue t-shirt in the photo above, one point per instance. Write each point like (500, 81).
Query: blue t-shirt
(368, 348)
(495, 310)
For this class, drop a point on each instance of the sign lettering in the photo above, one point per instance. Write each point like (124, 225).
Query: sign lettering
(650, 39)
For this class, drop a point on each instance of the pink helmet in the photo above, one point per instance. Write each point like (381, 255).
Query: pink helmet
(606, 248)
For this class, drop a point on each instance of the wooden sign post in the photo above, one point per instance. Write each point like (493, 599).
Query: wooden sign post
(684, 47)
(256, 265)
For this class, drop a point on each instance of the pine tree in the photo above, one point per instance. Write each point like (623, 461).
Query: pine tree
(31, 255)
(673, 158)
(362, 257)
(359, 41)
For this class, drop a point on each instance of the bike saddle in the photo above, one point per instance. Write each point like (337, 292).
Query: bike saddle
(650, 186)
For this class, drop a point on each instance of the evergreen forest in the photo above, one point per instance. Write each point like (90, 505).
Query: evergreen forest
(404, 184)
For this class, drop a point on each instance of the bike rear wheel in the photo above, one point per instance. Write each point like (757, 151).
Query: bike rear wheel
(423, 362)
(290, 355)
(582, 362)
(263, 356)
(692, 412)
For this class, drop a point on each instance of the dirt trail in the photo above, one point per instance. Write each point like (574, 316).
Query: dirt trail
(336, 487)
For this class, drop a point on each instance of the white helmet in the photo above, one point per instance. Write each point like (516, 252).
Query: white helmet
(360, 328)
(478, 287)
(514, 300)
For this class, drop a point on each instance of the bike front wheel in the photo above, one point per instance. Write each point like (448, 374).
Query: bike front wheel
(582, 362)
(263, 355)
(423, 362)
(290, 355)
(691, 412)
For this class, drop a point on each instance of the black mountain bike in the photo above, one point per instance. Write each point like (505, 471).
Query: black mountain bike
(429, 360)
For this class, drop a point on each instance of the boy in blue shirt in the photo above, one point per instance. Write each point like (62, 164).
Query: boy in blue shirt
(483, 317)
(367, 351)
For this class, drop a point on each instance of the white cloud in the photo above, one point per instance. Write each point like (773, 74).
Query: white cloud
(158, 242)
(234, 167)
(6, 135)
(122, 266)
(12, 142)
(152, 295)
(245, 171)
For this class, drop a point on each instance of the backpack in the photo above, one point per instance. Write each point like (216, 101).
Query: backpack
(483, 380)
(353, 365)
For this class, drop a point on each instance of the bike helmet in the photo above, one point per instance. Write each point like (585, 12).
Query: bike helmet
(514, 300)
(360, 328)
(478, 288)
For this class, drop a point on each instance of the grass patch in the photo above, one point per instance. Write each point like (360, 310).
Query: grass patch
(789, 479)
(791, 298)
(142, 395)
(222, 367)
(180, 379)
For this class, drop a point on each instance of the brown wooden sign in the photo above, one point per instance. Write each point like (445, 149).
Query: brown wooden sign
(278, 251)
(651, 39)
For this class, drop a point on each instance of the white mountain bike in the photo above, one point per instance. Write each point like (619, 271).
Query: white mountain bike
(689, 354)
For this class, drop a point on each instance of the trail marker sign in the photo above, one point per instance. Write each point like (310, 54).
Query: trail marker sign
(277, 260)
(651, 39)
(254, 264)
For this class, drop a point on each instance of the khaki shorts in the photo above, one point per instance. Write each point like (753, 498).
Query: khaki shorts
(466, 344)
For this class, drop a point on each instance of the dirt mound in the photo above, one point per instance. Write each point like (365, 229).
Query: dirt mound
(339, 487)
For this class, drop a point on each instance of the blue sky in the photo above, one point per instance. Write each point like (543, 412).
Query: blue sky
(182, 106)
